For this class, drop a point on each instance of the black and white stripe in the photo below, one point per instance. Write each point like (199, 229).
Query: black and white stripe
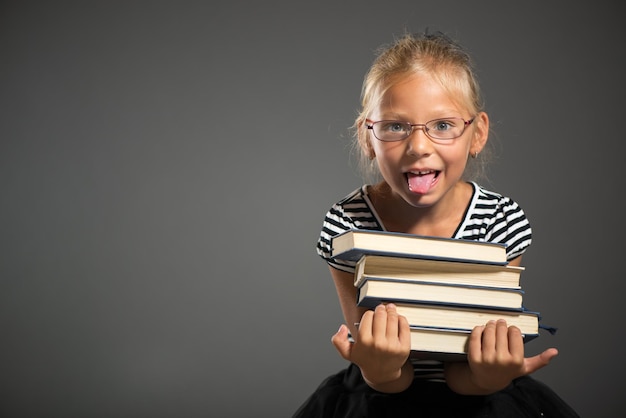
(490, 217)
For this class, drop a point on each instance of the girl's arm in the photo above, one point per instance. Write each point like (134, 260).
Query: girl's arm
(382, 339)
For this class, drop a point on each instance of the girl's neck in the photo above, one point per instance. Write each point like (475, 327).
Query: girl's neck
(441, 219)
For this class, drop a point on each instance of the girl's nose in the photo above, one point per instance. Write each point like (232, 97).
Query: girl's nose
(418, 142)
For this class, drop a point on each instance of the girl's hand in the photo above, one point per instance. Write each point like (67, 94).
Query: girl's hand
(496, 356)
(382, 345)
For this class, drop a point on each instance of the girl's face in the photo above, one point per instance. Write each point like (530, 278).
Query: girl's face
(417, 169)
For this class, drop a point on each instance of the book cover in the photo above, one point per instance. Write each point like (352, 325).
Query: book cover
(420, 269)
(379, 290)
(353, 244)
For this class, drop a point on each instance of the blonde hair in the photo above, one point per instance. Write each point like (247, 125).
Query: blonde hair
(433, 54)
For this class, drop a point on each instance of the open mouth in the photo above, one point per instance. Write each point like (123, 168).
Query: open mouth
(422, 181)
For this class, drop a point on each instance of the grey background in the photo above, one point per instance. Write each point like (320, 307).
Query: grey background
(165, 168)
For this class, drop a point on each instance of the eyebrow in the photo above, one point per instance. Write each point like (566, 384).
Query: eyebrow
(402, 119)
(441, 114)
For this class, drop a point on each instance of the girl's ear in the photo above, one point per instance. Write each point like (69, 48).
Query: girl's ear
(481, 134)
(364, 141)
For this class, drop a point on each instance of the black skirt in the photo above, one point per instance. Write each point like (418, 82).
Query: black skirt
(346, 395)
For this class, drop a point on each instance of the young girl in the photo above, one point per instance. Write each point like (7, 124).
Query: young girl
(421, 126)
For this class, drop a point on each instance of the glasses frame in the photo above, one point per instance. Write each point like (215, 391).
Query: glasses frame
(370, 125)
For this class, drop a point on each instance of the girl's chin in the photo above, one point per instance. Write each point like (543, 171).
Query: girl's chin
(419, 200)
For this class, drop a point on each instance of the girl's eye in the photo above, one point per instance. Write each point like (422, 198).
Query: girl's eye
(394, 127)
(442, 125)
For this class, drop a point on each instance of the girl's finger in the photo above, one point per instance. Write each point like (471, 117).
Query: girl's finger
(474, 346)
(379, 324)
(489, 340)
(502, 337)
(365, 326)
(516, 342)
(392, 321)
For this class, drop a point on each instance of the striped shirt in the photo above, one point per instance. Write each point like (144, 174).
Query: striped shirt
(490, 217)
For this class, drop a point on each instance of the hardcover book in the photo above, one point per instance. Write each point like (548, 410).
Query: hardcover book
(379, 290)
(353, 244)
(461, 318)
(443, 344)
(420, 269)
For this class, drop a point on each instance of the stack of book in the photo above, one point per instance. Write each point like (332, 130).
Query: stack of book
(444, 287)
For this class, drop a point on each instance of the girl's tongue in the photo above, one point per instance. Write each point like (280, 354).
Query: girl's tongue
(420, 183)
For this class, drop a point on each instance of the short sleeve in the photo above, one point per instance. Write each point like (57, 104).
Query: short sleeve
(352, 212)
(492, 217)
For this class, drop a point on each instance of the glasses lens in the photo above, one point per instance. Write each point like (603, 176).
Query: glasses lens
(391, 130)
(446, 128)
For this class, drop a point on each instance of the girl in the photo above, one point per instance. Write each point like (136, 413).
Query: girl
(421, 126)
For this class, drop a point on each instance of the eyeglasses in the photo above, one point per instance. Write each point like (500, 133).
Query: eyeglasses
(441, 131)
